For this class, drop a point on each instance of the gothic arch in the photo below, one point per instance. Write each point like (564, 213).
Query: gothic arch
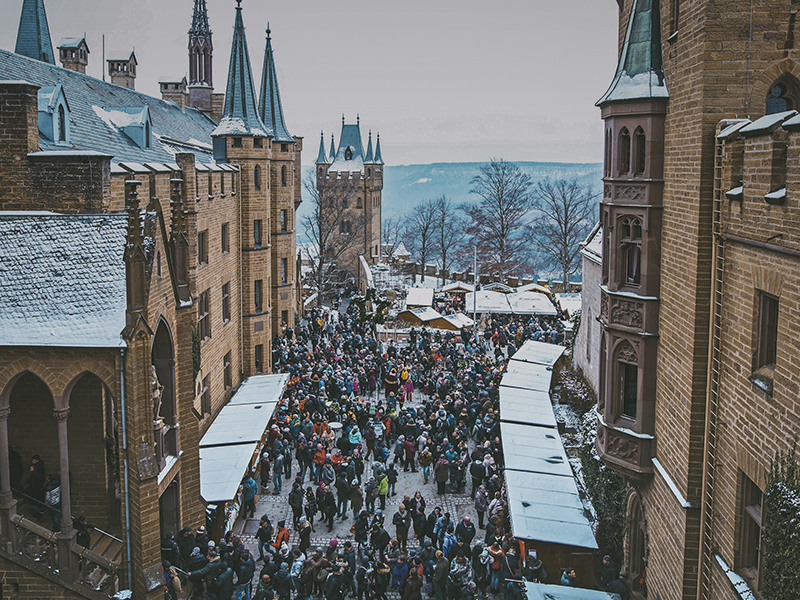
(76, 371)
(12, 373)
(784, 68)
(625, 351)
(635, 542)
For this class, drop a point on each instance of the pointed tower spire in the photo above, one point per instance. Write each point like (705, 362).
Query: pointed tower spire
(200, 47)
(333, 150)
(33, 36)
(269, 104)
(368, 158)
(640, 72)
(321, 158)
(240, 112)
(378, 158)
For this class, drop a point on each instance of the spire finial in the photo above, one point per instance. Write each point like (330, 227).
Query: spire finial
(358, 119)
(342, 118)
(268, 29)
(238, 4)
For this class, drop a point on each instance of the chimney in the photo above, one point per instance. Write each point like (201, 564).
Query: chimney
(175, 91)
(122, 69)
(74, 54)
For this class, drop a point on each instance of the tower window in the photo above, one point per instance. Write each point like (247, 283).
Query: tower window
(284, 271)
(284, 224)
(767, 330)
(257, 295)
(348, 154)
(236, 143)
(283, 175)
(258, 143)
(257, 233)
(257, 177)
(607, 154)
(359, 204)
(624, 157)
(782, 96)
(641, 150)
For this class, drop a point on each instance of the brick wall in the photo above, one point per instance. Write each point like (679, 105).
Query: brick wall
(19, 135)
(71, 182)
(20, 583)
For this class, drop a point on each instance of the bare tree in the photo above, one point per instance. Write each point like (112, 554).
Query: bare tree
(336, 232)
(566, 213)
(496, 223)
(421, 232)
(391, 235)
(449, 227)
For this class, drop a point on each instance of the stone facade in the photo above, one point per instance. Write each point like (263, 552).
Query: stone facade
(719, 413)
(587, 342)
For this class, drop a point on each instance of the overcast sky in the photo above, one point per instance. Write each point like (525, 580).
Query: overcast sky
(442, 80)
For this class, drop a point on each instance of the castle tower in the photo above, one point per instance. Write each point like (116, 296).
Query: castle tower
(201, 84)
(122, 69)
(33, 36)
(354, 179)
(285, 187)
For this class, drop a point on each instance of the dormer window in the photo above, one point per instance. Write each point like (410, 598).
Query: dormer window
(348, 154)
(54, 114)
(62, 124)
(133, 121)
(147, 134)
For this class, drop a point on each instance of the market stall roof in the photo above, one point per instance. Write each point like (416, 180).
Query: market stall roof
(419, 297)
(418, 315)
(239, 424)
(222, 469)
(528, 407)
(259, 389)
(540, 591)
(459, 287)
(569, 302)
(459, 320)
(539, 353)
(534, 449)
(498, 287)
(487, 301)
(544, 508)
(531, 303)
(527, 376)
(535, 287)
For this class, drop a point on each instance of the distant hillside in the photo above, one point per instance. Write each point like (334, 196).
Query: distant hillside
(406, 185)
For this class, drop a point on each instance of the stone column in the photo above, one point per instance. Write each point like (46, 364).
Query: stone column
(7, 502)
(61, 415)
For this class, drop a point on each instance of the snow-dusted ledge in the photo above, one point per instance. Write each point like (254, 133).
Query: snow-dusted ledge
(739, 585)
(671, 484)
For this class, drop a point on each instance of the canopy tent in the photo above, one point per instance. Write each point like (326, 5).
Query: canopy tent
(418, 297)
(531, 303)
(534, 449)
(539, 353)
(459, 287)
(458, 321)
(498, 287)
(547, 508)
(570, 303)
(236, 434)
(528, 407)
(540, 591)
(487, 301)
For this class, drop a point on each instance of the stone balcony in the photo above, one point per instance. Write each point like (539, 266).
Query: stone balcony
(625, 450)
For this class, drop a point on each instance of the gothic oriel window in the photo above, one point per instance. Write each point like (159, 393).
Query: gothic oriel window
(640, 150)
(631, 251)
(624, 158)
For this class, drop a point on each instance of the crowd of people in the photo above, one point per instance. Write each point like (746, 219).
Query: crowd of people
(349, 422)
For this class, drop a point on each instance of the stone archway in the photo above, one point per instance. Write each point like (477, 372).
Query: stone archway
(636, 547)
(164, 400)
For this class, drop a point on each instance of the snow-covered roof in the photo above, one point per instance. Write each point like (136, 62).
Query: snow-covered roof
(498, 287)
(401, 250)
(535, 287)
(419, 297)
(569, 302)
(767, 123)
(460, 320)
(531, 303)
(350, 154)
(425, 314)
(458, 286)
(539, 591)
(62, 279)
(592, 246)
(487, 301)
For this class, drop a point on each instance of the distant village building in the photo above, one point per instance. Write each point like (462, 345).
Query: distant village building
(700, 278)
(587, 342)
(148, 263)
(355, 179)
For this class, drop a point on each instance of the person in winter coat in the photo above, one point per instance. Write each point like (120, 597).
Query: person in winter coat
(496, 553)
(440, 575)
(223, 584)
(342, 486)
(465, 531)
(244, 575)
(328, 506)
(296, 502)
(441, 471)
(416, 506)
(425, 459)
(264, 590)
(383, 488)
(311, 507)
(568, 577)
(356, 498)
(370, 494)
(249, 491)
(399, 573)
(391, 474)
(402, 523)
(282, 582)
(413, 587)
(361, 527)
(265, 467)
(481, 504)
(305, 534)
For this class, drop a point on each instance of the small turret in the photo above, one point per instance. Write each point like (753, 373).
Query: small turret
(321, 158)
(74, 54)
(122, 69)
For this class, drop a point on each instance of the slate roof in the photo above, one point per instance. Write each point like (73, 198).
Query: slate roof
(322, 159)
(33, 35)
(240, 112)
(640, 72)
(350, 138)
(173, 129)
(62, 279)
(269, 104)
(378, 157)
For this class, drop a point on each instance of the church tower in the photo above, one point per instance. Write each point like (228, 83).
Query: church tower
(33, 36)
(201, 83)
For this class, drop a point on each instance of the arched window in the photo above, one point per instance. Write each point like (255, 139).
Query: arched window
(624, 157)
(782, 96)
(348, 153)
(607, 154)
(147, 134)
(257, 177)
(640, 151)
(62, 124)
(627, 392)
(359, 203)
(631, 251)
(283, 176)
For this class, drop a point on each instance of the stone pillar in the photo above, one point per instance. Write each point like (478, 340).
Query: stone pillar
(61, 415)
(7, 502)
